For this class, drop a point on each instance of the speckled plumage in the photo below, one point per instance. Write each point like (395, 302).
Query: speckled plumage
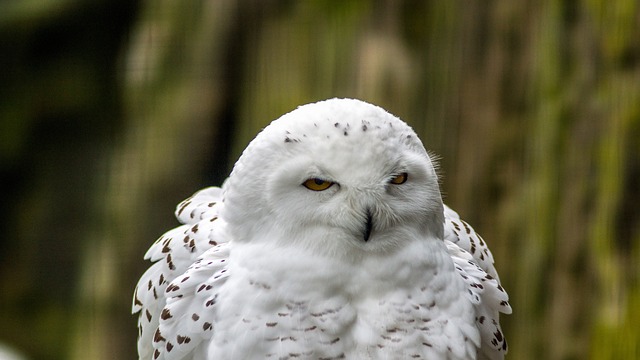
(367, 268)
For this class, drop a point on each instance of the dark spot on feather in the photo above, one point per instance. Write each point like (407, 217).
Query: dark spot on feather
(271, 324)
(157, 337)
(183, 206)
(183, 339)
(210, 302)
(148, 315)
(166, 314)
(136, 301)
(331, 342)
(341, 356)
(169, 346)
(195, 317)
(466, 227)
(207, 326)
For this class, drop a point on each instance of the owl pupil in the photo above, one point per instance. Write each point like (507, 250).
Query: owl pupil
(318, 181)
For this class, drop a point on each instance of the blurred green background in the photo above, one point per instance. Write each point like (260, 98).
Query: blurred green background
(112, 111)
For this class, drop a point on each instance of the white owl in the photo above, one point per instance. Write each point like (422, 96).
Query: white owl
(329, 240)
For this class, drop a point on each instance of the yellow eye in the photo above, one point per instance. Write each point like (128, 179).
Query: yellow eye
(316, 184)
(399, 179)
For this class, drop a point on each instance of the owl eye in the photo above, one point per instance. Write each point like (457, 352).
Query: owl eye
(399, 179)
(316, 184)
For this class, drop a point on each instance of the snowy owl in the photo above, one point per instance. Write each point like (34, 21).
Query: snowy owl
(329, 240)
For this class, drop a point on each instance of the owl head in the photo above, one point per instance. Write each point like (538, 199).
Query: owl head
(341, 177)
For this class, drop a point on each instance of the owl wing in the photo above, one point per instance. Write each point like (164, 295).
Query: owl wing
(179, 257)
(474, 262)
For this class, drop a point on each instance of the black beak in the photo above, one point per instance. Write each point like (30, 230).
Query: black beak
(368, 226)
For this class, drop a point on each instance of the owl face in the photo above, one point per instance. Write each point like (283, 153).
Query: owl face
(337, 177)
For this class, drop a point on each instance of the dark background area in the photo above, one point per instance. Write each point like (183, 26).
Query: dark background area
(111, 112)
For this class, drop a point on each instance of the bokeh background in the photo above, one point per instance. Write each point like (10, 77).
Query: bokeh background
(112, 111)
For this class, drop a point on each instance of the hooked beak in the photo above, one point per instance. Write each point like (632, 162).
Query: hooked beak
(368, 226)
